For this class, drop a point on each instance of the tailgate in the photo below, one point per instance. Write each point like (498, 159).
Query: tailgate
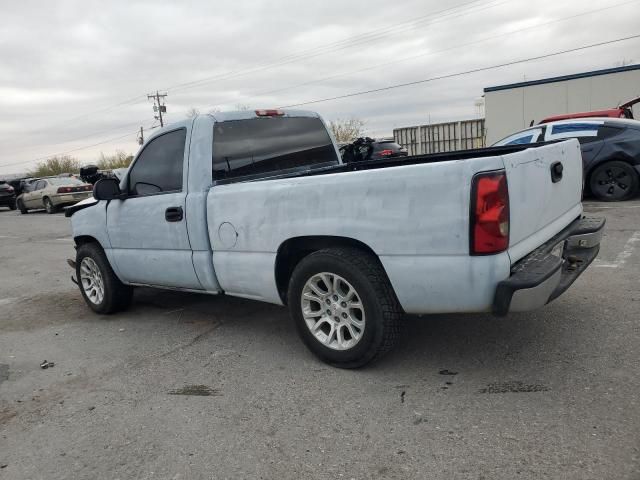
(542, 202)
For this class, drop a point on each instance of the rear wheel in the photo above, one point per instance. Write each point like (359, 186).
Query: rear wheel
(100, 287)
(12, 205)
(21, 206)
(614, 181)
(343, 307)
(48, 205)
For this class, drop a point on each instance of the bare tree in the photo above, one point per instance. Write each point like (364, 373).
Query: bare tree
(193, 112)
(347, 130)
(117, 160)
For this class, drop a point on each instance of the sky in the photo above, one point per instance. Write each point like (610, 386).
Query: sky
(74, 75)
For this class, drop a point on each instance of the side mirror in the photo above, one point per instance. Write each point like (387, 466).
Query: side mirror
(107, 189)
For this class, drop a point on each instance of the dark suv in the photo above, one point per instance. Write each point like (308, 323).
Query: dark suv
(7, 195)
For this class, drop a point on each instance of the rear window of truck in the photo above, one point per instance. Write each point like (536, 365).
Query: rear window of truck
(261, 147)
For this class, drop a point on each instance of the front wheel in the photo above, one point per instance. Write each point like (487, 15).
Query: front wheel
(100, 287)
(23, 209)
(343, 306)
(614, 181)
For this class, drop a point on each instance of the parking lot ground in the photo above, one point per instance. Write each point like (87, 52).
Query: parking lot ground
(184, 386)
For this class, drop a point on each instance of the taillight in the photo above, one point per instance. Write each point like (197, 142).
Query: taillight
(386, 153)
(88, 188)
(10, 188)
(269, 113)
(64, 190)
(489, 213)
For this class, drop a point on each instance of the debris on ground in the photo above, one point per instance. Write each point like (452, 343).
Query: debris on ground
(447, 372)
(198, 390)
(45, 364)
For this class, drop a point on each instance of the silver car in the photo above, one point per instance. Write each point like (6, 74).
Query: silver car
(51, 193)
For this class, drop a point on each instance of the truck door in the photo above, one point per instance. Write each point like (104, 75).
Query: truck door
(33, 198)
(148, 229)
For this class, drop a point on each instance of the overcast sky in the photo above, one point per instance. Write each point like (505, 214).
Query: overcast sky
(76, 73)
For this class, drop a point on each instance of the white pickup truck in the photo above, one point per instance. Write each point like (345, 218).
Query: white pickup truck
(259, 205)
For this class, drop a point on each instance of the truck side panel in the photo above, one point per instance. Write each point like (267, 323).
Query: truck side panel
(414, 217)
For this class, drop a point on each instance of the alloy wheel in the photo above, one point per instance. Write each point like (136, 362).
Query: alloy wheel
(333, 311)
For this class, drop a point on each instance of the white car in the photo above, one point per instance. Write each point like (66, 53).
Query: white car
(51, 193)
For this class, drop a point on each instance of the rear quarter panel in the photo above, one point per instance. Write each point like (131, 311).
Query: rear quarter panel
(414, 217)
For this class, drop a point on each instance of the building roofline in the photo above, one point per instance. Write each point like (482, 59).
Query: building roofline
(563, 78)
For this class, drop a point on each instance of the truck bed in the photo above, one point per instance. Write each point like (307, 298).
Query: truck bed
(391, 162)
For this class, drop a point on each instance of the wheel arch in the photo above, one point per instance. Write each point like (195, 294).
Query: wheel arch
(293, 250)
(84, 239)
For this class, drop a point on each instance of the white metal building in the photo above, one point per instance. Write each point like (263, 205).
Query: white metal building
(509, 108)
(441, 137)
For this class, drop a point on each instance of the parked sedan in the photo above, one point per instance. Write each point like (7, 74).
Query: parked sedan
(7, 195)
(610, 152)
(51, 193)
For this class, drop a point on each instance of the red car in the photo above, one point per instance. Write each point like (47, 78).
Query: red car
(623, 111)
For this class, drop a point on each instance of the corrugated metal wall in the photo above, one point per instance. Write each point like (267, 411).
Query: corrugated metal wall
(441, 137)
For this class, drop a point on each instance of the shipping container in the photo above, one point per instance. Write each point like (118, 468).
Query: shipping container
(441, 137)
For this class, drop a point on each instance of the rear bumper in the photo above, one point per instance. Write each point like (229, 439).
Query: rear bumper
(544, 274)
(7, 199)
(69, 198)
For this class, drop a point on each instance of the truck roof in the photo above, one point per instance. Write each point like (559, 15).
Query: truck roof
(227, 116)
(249, 114)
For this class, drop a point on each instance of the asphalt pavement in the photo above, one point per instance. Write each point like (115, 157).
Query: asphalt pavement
(187, 386)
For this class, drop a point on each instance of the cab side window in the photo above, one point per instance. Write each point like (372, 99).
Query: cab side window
(158, 168)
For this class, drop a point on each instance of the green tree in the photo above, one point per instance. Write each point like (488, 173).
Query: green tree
(55, 166)
(116, 160)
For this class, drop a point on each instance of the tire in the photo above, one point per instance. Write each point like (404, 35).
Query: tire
(614, 181)
(93, 269)
(12, 205)
(49, 206)
(374, 327)
(23, 209)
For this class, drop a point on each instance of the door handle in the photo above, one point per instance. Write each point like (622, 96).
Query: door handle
(173, 214)
(556, 172)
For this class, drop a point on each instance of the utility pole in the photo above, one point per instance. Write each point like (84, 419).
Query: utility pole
(158, 105)
(141, 137)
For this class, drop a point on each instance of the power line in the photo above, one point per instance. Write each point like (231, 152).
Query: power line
(266, 65)
(458, 74)
(389, 87)
(412, 57)
(304, 54)
(323, 50)
(70, 151)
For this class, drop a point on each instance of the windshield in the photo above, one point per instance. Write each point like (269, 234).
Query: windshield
(64, 181)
